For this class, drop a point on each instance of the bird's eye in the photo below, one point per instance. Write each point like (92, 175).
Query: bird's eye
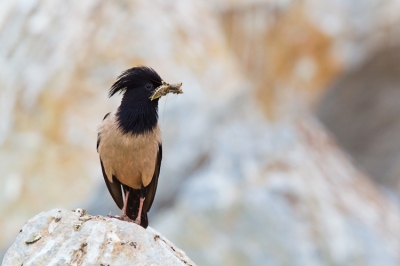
(149, 86)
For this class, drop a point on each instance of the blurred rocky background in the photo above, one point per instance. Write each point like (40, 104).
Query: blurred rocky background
(283, 150)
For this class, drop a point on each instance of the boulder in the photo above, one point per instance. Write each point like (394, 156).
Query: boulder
(62, 237)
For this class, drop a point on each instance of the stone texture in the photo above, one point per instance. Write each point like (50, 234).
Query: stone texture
(61, 237)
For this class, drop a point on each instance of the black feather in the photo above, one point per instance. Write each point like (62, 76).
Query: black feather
(98, 134)
(152, 187)
(135, 77)
(133, 206)
(137, 114)
(138, 118)
(114, 188)
(106, 115)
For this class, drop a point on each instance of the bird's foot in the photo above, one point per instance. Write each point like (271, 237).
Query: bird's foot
(126, 218)
(138, 218)
(137, 221)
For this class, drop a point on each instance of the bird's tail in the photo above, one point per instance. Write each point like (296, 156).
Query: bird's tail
(133, 206)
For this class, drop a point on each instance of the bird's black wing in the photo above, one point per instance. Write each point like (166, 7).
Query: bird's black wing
(115, 187)
(152, 187)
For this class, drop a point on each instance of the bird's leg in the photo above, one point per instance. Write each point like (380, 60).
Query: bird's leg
(125, 202)
(125, 217)
(142, 193)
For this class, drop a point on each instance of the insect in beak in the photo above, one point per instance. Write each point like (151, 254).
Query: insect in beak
(166, 88)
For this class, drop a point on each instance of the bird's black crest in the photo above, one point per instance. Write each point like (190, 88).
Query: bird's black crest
(134, 77)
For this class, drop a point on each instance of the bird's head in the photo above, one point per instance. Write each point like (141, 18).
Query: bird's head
(143, 84)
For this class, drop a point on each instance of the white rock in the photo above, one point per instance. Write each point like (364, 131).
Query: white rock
(61, 237)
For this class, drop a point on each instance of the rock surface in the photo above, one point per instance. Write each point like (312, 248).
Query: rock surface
(61, 237)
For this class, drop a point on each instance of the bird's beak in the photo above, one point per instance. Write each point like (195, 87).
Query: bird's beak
(166, 88)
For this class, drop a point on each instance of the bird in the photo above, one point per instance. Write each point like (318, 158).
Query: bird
(129, 142)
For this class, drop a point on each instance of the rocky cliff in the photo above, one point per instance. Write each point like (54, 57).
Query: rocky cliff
(244, 157)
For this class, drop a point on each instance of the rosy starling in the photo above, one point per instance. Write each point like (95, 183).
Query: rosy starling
(129, 142)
